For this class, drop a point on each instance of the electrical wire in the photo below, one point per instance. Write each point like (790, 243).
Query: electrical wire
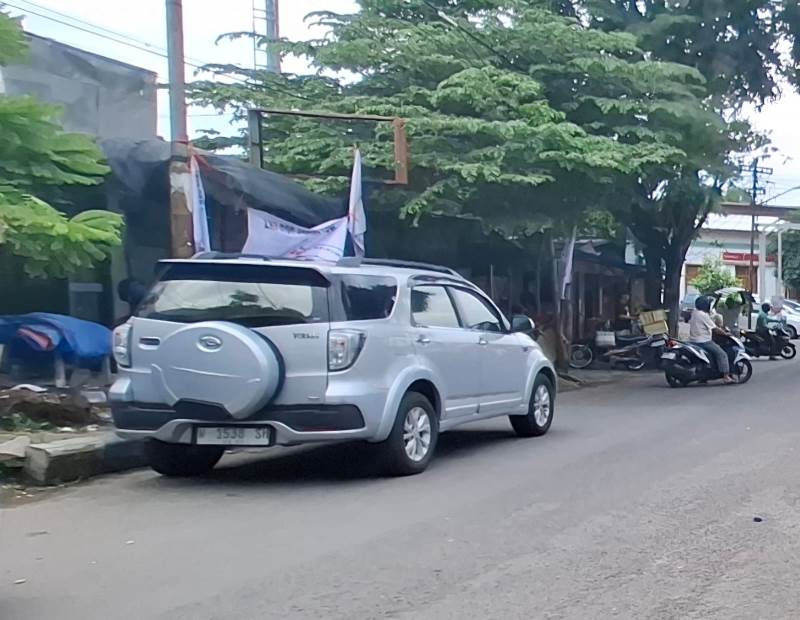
(141, 46)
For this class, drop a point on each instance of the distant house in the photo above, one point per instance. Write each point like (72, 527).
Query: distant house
(99, 96)
(726, 236)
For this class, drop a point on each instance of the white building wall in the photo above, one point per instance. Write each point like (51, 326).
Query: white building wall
(715, 244)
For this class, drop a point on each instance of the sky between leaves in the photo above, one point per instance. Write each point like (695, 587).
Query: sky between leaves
(141, 26)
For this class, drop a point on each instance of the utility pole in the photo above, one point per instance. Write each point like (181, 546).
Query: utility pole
(181, 244)
(755, 191)
(266, 27)
(751, 271)
(273, 34)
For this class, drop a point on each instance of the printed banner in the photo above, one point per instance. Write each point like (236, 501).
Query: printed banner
(272, 236)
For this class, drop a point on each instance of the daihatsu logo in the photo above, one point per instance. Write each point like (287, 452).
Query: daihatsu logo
(212, 343)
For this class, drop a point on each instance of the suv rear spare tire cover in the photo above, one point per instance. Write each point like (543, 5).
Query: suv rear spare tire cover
(220, 363)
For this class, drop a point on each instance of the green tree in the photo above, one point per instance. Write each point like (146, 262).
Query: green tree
(36, 158)
(488, 90)
(791, 258)
(713, 276)
(737, 45)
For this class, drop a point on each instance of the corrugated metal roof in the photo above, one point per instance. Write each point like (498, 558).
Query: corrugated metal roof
(721, 221)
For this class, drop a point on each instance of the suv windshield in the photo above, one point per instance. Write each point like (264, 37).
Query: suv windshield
(251, 295)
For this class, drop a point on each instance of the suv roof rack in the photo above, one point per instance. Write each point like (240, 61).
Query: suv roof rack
(355, 261)
(228, 255)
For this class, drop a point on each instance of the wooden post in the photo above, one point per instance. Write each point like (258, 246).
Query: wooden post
(254, 138)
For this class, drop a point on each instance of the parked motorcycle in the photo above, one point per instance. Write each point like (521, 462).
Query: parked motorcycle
(756, 346)
(685, 362)
(634, 353)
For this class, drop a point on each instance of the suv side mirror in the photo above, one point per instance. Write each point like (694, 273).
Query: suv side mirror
(522, 323)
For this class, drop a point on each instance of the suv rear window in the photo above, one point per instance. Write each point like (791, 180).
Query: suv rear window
(251, 295)
(368, 298)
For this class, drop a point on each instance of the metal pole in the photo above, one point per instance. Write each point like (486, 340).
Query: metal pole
(781, 292)
(762, 266)
(751, 271)
(181, 244)
(273, 35)
(177, 71)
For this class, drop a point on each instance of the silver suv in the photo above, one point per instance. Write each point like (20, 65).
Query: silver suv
(231, 350)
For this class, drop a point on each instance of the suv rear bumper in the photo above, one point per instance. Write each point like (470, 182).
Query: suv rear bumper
(291, 424)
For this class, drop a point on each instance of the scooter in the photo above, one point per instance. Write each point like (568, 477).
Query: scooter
(757, 346)
(632, 352)
(685, 363)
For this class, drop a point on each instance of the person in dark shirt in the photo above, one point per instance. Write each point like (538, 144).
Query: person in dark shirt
(762, 328)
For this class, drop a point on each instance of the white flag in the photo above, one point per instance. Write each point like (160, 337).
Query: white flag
(269, 235)
(356, 217)
(197, 203)
(569, 253)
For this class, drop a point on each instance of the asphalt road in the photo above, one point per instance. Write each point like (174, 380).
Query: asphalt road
(640, 503)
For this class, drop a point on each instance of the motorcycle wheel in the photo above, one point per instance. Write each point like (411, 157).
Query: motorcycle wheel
(743, 371)
(674, 382)
(580, 356)
(788, 351)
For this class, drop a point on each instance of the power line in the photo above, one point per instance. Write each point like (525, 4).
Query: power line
(141, 46)
(115, 33)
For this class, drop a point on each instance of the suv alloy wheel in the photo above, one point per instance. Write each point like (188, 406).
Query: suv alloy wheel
(410, 446)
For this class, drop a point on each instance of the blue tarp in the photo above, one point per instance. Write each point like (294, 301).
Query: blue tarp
(80, 343)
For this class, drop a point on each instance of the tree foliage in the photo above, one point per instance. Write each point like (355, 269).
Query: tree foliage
(36, 154)
(713, 276)
(515, 114)
(739, 47)
(791, 258)
(744, 48)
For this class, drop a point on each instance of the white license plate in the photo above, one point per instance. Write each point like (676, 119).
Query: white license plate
(668, 356)
(233, 435)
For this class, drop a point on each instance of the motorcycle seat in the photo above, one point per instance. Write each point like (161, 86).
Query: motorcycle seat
(625, 340)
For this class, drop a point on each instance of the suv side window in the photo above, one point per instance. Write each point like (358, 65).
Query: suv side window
(475, 313)
(368, 298)
(431, 307)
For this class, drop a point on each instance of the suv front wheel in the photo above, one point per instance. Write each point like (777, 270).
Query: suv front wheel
(540, 410)
(182, 460)
(410, 446)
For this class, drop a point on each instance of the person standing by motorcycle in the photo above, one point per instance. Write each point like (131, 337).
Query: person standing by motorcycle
(763, 331)
(701, 332)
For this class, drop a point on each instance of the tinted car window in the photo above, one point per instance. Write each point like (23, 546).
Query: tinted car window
(431, 307)
(475, 313)
(368, 297)
(250, 295)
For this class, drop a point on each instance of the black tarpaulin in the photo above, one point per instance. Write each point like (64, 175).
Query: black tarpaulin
(141, 175)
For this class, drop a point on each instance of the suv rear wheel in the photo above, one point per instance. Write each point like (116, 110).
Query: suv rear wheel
(540, 410)
(182, 460)
(410, 446)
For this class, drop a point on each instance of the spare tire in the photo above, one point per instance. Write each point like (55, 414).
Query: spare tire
(222, 364)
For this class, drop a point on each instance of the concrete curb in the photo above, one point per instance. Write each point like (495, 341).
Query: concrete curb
(78, 458)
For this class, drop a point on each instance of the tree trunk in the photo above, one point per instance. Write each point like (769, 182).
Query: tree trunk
(562, 355)
(654, 277)
(672, 285)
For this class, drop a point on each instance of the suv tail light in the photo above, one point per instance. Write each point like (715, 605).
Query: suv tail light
(122, 344)
(344, 346)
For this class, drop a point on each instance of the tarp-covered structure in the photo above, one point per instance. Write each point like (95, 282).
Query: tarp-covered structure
(139, 188)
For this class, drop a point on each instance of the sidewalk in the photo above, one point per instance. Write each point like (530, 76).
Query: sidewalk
(575, 379)
(50, 436)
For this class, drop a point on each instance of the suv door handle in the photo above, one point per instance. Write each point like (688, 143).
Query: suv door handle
(482, 341)
(423, 340)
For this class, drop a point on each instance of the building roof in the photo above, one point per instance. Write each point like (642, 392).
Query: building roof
(82, 52)
(740, 223)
